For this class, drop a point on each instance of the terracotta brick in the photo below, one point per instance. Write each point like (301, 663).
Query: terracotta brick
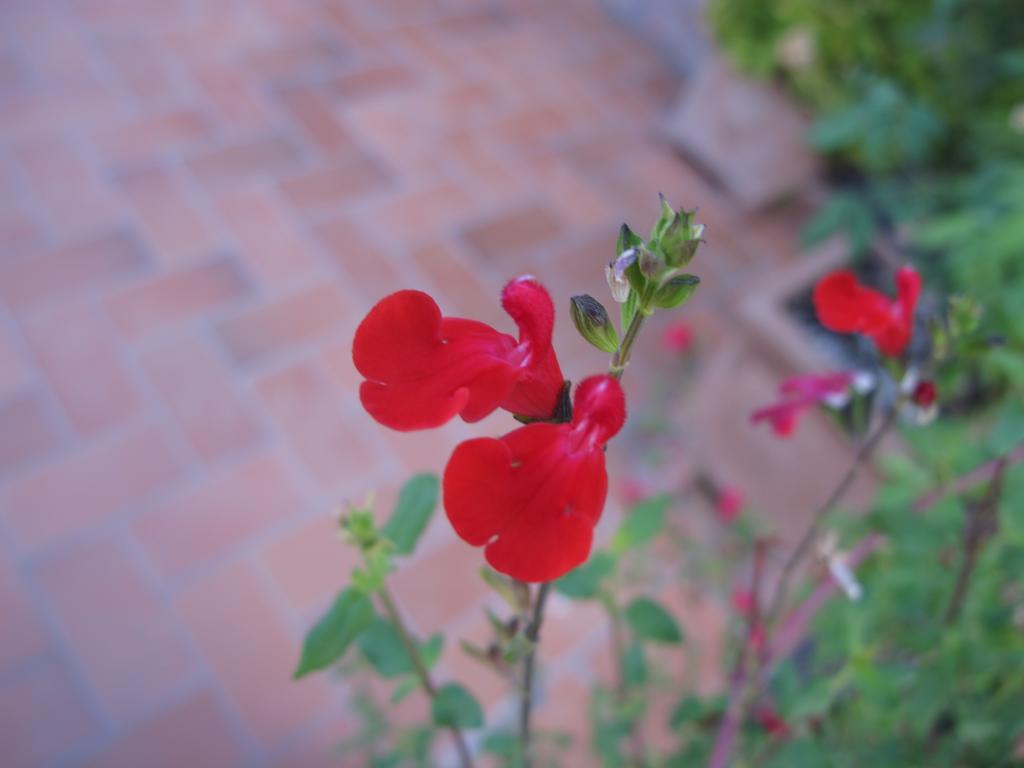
(323, 747)
(460, 290)
(296, 57)
(231, 95)
(135, 62)
(177, 296)
(326, 186)
(568, 624)
(24, 635)
(20, 232)
(268, 235)
(421, 214)
(171, 223)
(86, 488)
(513, 232)
(71, 190)
(25, 431)
(196, 733)
(15, 374)
(273, 328)
(150, 136)
(220, 516)
(123, 638)
(75, 349)
(441, 585)
(311, 562)
(370, 270)
(42, 717)
(252, 653)
(195, 384)
(72, 268)
(339, 456)
(245, 161)
(372, 81)
(314, 115)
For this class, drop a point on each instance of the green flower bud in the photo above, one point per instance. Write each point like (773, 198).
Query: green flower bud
(680, 239)
(651, 265)
(592, 321)
(675, 291)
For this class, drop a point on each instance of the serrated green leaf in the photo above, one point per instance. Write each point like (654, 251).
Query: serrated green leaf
(416, 503)
(642, 524)
(349, 615)
(584, 582)
(650, 621)
(455, 707)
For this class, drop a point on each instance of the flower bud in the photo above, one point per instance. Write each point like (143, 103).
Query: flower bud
(924, 394)
(681, 238)
(592, 321)
(676, 291)
(651, 265)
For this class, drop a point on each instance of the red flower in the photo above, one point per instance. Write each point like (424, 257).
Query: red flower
(846, 306)
(677, 338)
(743, 602)
(924, 394)
(729, 504)
(772, 722)
(533, 497)
(804, 391)
(422, 369)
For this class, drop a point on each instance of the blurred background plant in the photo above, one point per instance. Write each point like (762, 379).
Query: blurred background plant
(919, 112)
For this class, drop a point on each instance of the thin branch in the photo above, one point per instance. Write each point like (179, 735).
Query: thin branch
(975, 477)
(618, 644)
(532, 633)
(413, 651)
(859, 459)
(726, 737)
(980, 526)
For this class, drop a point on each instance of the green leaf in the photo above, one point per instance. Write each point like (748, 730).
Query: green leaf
(628, 309)
(652, 622)
(350, 614)
(416, 503)
(455, 707)
(584, 582)
(642, 524)
(383, 648)
(634, 666)
(403, 689)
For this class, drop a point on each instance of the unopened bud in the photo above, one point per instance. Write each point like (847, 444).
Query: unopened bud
(650, 263)
(681, 238)
(675, 291)
(924, 394)
(592, 321)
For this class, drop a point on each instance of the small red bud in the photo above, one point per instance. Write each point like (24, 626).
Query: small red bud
(924, 394)
(729, 504)
(772, 722)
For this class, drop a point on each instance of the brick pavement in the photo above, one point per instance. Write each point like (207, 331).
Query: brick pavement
(200, 200)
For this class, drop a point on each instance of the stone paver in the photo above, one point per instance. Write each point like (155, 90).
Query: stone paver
(200, 199)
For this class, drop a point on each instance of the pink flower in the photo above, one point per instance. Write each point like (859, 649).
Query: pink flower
(803, 392)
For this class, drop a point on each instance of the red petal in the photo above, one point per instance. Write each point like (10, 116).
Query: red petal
(783, 417)
(552, 533)
(398, 337)
(600, 405)
(530, 305)
(532, 501)
(477, 496)
(845, 306)
(423, 369)
(538, 390)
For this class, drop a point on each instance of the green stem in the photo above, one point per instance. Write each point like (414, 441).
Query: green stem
(621, 357)
(412, 649)
(532, 634)
(616, 636)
